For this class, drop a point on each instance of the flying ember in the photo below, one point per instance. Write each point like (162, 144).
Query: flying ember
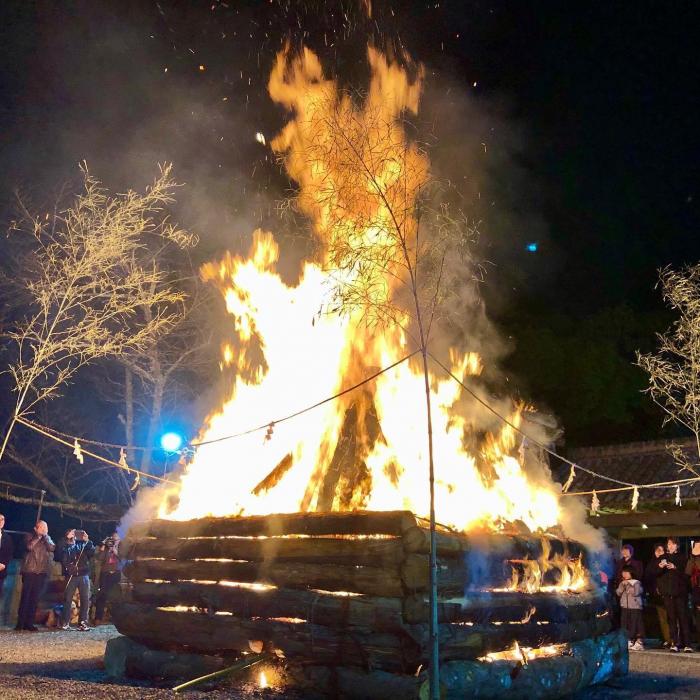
(358, 175)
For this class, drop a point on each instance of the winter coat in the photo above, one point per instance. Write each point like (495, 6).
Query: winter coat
(630, 594)
(75, 558)
(634, 564)
(672, 582)
(651, 574)
(7, 549)
(692, 570)
(37, 560)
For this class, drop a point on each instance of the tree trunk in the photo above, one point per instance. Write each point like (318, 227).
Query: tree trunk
(154, 424)
(129, 411)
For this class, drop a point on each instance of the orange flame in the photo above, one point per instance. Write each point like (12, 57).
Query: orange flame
(367, 449)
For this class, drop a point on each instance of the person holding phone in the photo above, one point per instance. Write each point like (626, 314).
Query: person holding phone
(75, 558)
(672, 584)
(655, 598)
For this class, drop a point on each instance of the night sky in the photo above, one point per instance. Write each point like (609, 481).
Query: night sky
(568, 125)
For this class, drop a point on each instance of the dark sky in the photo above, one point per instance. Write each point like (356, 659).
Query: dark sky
(576, 123)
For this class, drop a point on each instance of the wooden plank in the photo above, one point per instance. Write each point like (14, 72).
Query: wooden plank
(203, 633)
(383, 582)
(347, 523)
(322, 550)
(379, 614)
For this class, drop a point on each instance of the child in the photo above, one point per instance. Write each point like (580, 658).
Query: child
(630, 592)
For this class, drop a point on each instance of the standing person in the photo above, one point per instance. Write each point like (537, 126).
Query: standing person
(75, 558)
(110, 573)
(655, 598)
(626, 559)
(35, 569)
(692, 570)
(672, 583)
(7, 549)
(630, 594)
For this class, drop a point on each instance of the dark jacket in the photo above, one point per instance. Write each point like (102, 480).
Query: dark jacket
(650, 575)
(692, 570)
(672, 582)
(637, 570)
(7, 550)
(37, 560)
(75, 558)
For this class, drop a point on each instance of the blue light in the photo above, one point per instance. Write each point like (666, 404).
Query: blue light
(171, 442)
(531, 247)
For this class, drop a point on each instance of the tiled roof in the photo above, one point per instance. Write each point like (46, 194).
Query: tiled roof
(636, 463)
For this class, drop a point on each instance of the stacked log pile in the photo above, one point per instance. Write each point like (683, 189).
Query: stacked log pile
(343, 591)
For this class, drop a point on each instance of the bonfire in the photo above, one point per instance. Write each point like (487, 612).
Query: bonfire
(307, 544)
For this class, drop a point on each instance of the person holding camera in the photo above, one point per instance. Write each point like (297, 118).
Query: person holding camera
(75, 560)
(110, 573)
(34, 571)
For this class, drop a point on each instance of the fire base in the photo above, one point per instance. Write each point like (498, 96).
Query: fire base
(340, 599)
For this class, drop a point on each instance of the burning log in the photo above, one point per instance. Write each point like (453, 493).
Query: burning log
(586, 663)
(323, 550)
(392, 522)
(349, 591)
(322, 608)
(157, 627)
(508, 606)
(356, 579)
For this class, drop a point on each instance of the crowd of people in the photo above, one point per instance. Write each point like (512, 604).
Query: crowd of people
(669, 583)
(79, 558)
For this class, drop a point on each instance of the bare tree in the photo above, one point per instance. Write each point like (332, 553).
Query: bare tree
(169, 370)
(674, 370)
(388, 239)
(85, 281)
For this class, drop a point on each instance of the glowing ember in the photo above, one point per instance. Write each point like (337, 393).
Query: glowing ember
(289, 354)
(262, 680)
(525, 654)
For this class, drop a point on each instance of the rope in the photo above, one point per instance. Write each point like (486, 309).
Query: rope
(625, 485)
(85, 441)
(92, 454)
(524, 434)
(266, 426)
(659, 485)
(55, 434)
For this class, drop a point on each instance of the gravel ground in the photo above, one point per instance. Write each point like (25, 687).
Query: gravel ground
(56, 664)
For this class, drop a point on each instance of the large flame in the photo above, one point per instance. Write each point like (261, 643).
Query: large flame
(368, 448)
